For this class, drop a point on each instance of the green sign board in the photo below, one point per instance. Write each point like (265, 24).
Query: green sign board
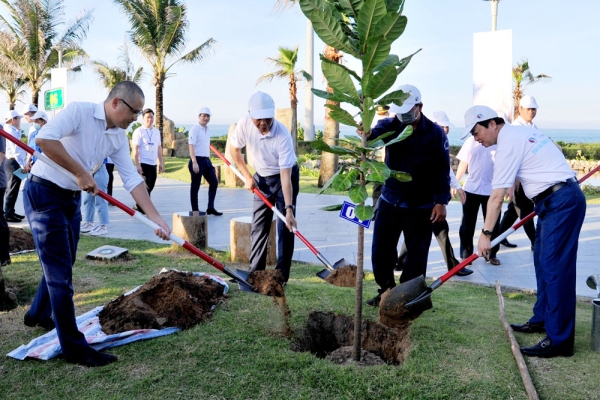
(54, 99)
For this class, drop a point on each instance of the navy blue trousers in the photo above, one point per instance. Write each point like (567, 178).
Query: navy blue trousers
(206, 170)
(390, 222)
(560, 217)
(469, 221)
(262, 216)
(54, 217)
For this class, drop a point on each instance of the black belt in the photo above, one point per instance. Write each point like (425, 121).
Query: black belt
(552, 189)
(54, 186)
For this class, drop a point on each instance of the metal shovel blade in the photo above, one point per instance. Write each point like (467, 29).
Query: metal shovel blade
(323, 274)
(341, 263)
(245, 288)
(243, 274)
(593, 282)
(413, 295)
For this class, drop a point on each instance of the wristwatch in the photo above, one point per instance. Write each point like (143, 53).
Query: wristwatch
(486, 232)
(290, 206)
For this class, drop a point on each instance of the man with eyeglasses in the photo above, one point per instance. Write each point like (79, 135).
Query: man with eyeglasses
(79, 139)
(530, 156)
(277, 176)
(16, 158)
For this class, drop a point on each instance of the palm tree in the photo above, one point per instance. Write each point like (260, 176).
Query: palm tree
(286, 68)
(523, 76)
(158, 29)
(34, 24)
(110, 76)
(11, 82)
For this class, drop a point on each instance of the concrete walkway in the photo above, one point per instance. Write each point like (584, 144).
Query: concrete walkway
(337, 238)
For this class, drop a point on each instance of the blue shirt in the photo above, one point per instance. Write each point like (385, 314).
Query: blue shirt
(424, 155)
(31, 143)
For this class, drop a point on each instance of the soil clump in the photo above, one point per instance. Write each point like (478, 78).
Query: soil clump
(20, 240)
(343, 356)
(267, 282)
(343, 277)
(392, 307)
(326, 332)
(171, 299)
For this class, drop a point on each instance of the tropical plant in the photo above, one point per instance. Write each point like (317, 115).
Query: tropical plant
(158, 29)
(364, 29)
(523, 76)
(285, 64)
(34, 27)
(125, 71)
(12, 86)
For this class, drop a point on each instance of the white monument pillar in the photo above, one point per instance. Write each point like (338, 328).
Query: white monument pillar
(309, 113)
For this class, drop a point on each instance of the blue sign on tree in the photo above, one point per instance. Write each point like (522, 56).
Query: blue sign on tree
(347, 213)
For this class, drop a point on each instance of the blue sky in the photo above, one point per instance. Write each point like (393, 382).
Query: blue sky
(559, 39)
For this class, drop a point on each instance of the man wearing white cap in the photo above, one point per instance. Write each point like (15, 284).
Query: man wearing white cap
(277, 177)
(200, 164)
(39, 119)
(527, 112)
(147, 149)
(530, 156)
(28, 111)
(16, 158)
(409, 207)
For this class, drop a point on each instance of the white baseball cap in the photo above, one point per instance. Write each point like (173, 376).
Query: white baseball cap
(528, 101)
(204, 110)
(440, 118)
(477, 114)
(414, 98)
(29, 108)
(261, 105)
(40, 115)
(12, 114)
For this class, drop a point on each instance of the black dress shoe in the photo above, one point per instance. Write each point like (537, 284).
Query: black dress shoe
(212, 211)
(506, 243)
(11, 218)
(545, 349)
(528, 327)
(374, 302)
(464, 272)
(4, 263)
(47, 324)
(18, 216)
(92, 358)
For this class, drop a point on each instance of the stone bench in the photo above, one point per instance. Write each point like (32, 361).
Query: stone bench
(240, 236)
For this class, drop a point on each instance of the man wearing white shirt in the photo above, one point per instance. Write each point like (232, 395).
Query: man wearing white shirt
(28, 111)
(147, 150)
(531, 157)
(200, 164)
(16, 158)
(277, 177)
(79, 138)
(527, 112)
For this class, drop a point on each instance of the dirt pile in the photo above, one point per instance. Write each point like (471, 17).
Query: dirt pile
(343, 277)
(326, 332)
(392, 307)
(267, 282)
(171, 299)
(343, 356)
(20, 240)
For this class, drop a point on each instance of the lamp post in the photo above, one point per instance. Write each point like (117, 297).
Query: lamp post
(59, 48)
(494, 4)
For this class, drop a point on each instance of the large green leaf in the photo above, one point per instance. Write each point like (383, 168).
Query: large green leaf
(392, 59)
(337, 97)
(391, 26)
(378, 48)
(342, 151)
(342, 116)
(351, 7)
(358, 193)
(351, 72)
(344, 181)
(334, 207)
(397, 97)
(375, 144)
(401, 176)
(377, 171)
(371, 12)
(405, 133)
(395, 5)
(368, 112)
(308, 6)
(330, 181)
(380, 137)
(364, 213)
(329, 30)
(404, 62)
(379, 83)
(355, 140)
(339, 79)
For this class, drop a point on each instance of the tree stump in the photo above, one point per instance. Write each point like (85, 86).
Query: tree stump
(217, 172)
(240, 237)
(193, 229)
(231, 179)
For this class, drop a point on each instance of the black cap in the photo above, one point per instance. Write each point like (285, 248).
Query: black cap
(147, 110)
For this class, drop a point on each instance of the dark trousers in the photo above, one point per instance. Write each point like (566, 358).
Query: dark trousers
(440, 231)
(469, 221)
(206, 170)
(4, 235)
(390, 222)
(521, 207)
(13, 186)
(110, 168)
(54, 218)
(262, 216)
(149, 174)
(560, 217)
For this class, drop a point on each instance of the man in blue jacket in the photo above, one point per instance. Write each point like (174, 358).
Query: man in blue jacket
(409, 207)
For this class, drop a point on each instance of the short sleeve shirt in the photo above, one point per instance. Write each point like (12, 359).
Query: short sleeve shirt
(481, 166)
(200, 138)
(148, 141)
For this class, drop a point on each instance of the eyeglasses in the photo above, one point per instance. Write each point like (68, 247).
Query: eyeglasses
(134, 111)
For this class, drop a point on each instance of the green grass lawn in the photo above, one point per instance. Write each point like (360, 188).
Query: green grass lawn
(459, 348)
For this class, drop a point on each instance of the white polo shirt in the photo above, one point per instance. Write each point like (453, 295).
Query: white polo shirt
(481, 166)
(81, 128)
(12, 150)
(521, 122)
(530, 156)
(148, 140)
(271, 152)
(199, 137)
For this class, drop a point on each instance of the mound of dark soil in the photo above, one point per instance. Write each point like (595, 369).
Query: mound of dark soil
(171, 299)
(267, 282)
(20, 240)
(392, 307)
(326, 332)
(343, 277)
(343, 356)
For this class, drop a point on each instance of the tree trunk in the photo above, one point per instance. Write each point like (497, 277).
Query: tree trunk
(35, 96)
(160, 80)
(517, 95)
(294, 104)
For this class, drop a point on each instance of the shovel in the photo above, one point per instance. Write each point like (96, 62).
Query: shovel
(421, 300)
(243, 284)
(593, 282)
(321, 274)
